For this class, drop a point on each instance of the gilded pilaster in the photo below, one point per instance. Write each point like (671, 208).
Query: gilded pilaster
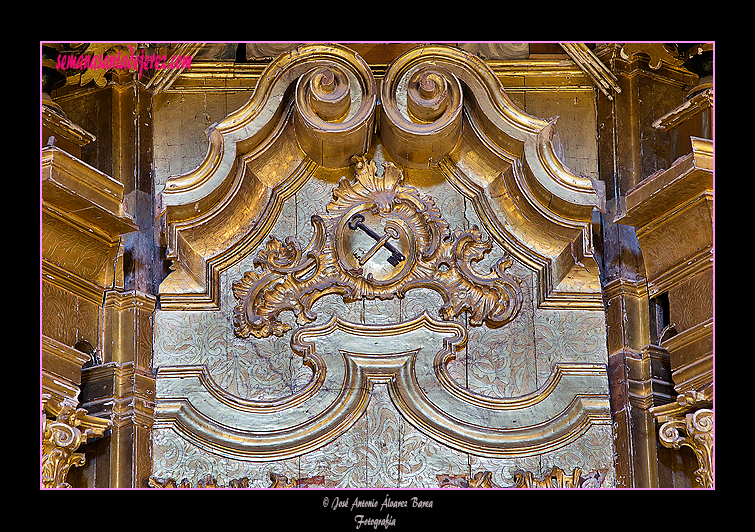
(630, 147)
(640, 379)
(98, 249)
(122, 389)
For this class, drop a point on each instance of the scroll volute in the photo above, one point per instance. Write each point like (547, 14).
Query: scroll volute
(335, 108)
(420, 114)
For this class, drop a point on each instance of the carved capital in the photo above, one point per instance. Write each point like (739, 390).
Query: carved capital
(62, 437)
(689, 422)
(696, 432)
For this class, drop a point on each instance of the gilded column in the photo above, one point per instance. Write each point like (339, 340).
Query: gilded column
(630, 148)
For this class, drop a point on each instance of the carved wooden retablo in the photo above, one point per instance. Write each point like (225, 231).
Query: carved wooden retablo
(377, 295)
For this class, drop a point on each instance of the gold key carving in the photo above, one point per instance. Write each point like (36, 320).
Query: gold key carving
(391, 232)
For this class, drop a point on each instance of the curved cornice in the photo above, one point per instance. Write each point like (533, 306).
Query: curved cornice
(215, 212)
(523, 136)
(411, 359)
(316, 107)
(245, 129)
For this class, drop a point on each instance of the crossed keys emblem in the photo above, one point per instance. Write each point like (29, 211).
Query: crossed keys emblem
(391, 232)
(422, 252)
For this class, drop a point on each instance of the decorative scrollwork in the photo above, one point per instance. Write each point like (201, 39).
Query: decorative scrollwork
(59, 444)
(62, 437)
(170, 483)
(389, 219)
(427, 95)
(481, 479)
(556, 478)
(696, 432)
(328, 93)
(282, 481)
(420, 124)
(207, 481)
(335, 104)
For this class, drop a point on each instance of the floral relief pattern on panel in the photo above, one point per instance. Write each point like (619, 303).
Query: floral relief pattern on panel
(681, 236)
(502, 469)
(189, 338)
(261, 370)
(691, 301)
(501, 362)
(250, 370)
(343, 461)
(383, 450)
(178, 459)
(592, 452)
(573, 336)
(75, 252)
(58, 314)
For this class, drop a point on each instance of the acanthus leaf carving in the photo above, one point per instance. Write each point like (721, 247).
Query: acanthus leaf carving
(557, 478)
(696, 432)
(62, 437)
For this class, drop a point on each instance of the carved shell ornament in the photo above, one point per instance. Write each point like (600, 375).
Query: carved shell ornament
(378, 238)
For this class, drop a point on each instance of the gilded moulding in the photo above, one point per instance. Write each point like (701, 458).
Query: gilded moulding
(244, 129)
(83, 218)
(503, 160)
(312, 108)
(411, 359)
(421, 99)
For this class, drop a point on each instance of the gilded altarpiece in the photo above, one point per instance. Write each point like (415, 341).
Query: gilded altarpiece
(380, 284)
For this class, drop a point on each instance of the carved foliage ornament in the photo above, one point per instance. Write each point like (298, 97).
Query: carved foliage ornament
(696, 432)
(329, 96)
(209, 481)
(62, 437)
(557, 478)
(378, 239)
(688, 422)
